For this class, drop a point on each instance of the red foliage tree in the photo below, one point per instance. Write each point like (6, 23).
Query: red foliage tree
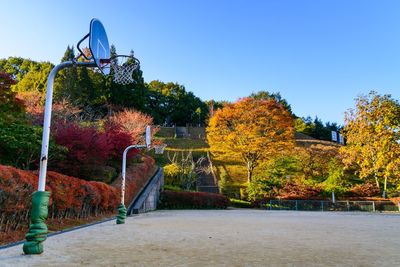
(132, 122)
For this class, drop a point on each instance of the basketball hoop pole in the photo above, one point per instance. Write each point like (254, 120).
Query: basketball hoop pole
(121, 208)
(37, 232)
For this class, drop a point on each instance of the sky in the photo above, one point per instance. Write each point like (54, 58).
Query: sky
(320, 55)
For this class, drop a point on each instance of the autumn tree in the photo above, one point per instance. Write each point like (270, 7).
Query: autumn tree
(253, 129)
(372, 132)
(277, 96)
(132, 122)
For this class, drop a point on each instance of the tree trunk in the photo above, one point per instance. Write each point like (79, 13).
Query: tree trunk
(249, 175)
(384, 188)
(376, 181)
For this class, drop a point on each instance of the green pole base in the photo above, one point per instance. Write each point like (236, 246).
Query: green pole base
(37, 232)
(121, 214)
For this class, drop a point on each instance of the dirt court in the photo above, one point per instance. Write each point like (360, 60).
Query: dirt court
(237, 237)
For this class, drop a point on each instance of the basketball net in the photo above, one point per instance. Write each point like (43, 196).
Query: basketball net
(159, 149)
(123, 68)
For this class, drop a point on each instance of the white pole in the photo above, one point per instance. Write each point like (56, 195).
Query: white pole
(148, 136)
(47, 118)
(124, 170)
(333, 197)
(46, 124)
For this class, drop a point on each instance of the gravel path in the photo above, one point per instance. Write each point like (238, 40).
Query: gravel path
(238, 237)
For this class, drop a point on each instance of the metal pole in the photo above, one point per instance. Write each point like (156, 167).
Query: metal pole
(47, 118)
(121, 208)
(37, 232)
(124, 170)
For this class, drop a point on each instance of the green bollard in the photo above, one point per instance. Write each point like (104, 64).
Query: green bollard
(37, 232)
(121, 214)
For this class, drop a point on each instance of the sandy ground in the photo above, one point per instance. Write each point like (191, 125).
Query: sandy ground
(237, 237)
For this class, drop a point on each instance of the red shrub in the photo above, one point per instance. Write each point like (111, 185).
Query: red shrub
(299, 191)
(89, 147)
(365, 190)
(70, 197)
(85, 144)
(192, 200)
(118, 141)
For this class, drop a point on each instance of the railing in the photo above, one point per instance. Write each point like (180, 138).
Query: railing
(323, 205)
(147, 199)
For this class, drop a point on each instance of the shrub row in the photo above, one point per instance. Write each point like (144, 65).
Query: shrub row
(192, 200)
(71, 198)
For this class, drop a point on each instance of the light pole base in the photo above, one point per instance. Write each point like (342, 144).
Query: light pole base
(121, 214)
(37, 232)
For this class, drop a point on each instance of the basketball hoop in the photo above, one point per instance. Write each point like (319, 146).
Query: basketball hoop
(159, 149)
(123, 67)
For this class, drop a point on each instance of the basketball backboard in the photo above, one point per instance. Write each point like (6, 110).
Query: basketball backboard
(98, 45)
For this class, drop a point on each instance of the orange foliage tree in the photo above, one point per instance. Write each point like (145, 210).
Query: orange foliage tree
(252, 129)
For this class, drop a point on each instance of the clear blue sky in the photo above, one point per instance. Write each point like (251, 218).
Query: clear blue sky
(318, 54)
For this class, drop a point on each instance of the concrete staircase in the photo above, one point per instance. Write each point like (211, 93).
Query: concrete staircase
(206, 181)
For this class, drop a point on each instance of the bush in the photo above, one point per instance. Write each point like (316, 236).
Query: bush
(89, 147)
(20, 145)
(227, 186)
(237, 203)
(70, 197)
(293, 190)
(262, 187)
(171, 175)
(192, 200)
(365, 190)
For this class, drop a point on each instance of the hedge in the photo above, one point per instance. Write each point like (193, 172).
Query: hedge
(71, 198)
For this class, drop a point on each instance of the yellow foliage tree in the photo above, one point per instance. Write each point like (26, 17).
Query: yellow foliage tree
(251, 129)
(372, 132)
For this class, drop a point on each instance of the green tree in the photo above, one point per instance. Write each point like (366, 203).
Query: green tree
(315, 128)
(66, 84)
(129, 95)
(372, 132)
(173, 104)
(35, 80)
(10, 107)
(17, 67)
